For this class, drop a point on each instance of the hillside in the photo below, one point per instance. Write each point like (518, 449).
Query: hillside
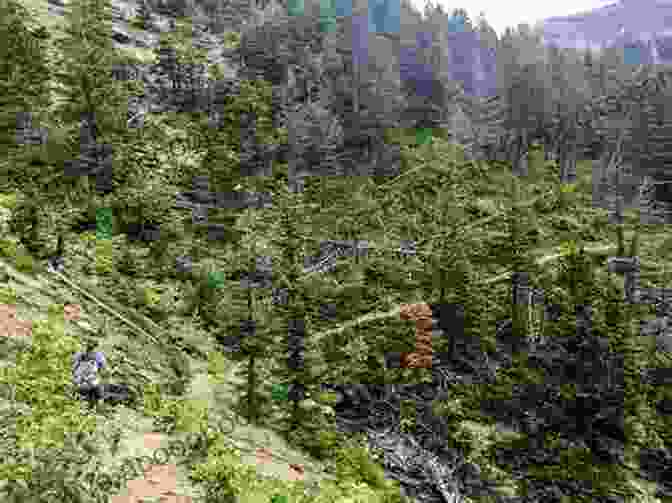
(37, 290)
(212, 309)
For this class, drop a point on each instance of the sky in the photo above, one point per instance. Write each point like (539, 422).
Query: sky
(502, 13)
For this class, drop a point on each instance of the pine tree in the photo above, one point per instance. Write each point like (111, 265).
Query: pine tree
(24, 97)
(523, 267)
(94, 101)
(84, 69)
(256, 343)
(24, 74)
(253, 348)
(451, 273)
(293, 317)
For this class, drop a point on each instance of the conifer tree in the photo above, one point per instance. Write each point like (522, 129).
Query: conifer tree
(184, 65)
(633, 355)
(24, 97)
(288, 237)
(94, 103)
(256, 343)
(523, 267)
(84, 70)
(451, 273)
(24, 73)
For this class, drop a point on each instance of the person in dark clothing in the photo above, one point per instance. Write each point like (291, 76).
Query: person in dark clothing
(85, 368)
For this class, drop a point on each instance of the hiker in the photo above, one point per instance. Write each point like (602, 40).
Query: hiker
(85, 369)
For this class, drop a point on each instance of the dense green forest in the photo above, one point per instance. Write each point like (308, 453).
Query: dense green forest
(564, 399)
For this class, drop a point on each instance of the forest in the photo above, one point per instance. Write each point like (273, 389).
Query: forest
(429, 261)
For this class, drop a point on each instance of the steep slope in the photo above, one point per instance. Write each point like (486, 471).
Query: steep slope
(132, 431)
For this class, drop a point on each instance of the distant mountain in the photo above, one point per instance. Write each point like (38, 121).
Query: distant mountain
(646, 24)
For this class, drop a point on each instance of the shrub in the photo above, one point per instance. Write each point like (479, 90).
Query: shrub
(8, 248)
(353, 462)
(150, 297)
(8, 201)
(104, 257)
(322, 445)
(41, 380)
(7, 295)
(224, 474)
(24, 262)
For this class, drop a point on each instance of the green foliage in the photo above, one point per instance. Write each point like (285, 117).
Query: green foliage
(7, 295)
(104, 257)
(520, 375)
(231, 39)
(174, 414)
(321, 444)
(221, 161)
(469, 222)
(181, 39)
(577, 274)
(360, 478)
(25, 262)
(578, 464)
(28, 223)
(354, 462)
(8, 247)
(152, 401)
(9, 201)
(41, 379)
(24, 70)
(84, 68)
(151, 298)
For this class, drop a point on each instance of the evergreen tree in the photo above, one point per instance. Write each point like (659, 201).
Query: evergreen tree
(292, 317)
(24, 97)
(93, 100)
(633, 355)
(452, 276)
(84, 70)
(256, 343)
(24, 75)
(525, 273)
(184, 65)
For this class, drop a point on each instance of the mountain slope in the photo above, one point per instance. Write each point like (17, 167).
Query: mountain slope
(648, 22)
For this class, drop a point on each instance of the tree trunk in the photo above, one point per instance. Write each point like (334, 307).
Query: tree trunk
(568, 164)
(549, 153)
(519, 154)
